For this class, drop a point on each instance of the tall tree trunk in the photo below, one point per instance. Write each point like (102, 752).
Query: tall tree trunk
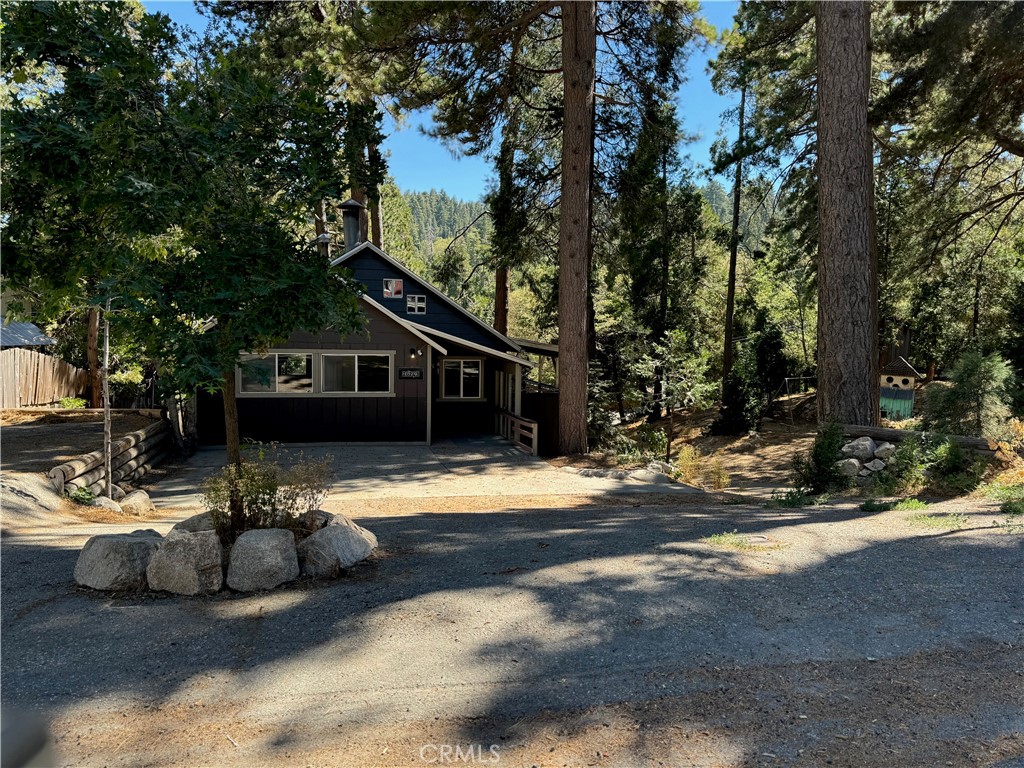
(92, 356)
(847, 263)
(501, 285)
(320, 226)
(376, 219)
(236, 509)
(359, 195)
(734, 244)
(579, 43)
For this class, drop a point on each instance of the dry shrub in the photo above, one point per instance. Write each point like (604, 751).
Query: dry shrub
(696, 468)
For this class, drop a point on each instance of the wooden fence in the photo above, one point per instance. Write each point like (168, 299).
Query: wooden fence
(31, 378)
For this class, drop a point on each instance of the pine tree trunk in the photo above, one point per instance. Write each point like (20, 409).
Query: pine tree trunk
(579, 42)
(501, 285)
(376, 218)
(359, 195)
(847, 264)
(92, 356)
(734, 244)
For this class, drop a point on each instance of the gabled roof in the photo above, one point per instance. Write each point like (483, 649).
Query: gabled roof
(472, 345)
(412, 328)
(364, 246)
(900, 367)
(18, 334)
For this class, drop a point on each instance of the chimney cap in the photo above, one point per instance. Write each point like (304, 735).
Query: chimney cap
(352, 205)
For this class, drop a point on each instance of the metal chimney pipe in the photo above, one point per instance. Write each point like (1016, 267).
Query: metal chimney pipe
(351, 212)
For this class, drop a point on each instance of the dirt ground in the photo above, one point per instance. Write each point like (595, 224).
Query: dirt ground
(757, 464)
(843, 639)
(67, 435)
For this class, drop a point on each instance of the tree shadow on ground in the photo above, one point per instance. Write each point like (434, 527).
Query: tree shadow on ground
(502, 616)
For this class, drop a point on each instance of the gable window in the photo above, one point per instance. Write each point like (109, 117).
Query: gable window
(461, 379)
(362, 373)
(393, 288)
(416, 304)
(277, 372)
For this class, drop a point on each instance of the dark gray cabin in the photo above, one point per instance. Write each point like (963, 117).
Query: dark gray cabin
(425, 369)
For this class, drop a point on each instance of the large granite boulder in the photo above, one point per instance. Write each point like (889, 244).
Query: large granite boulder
(137, 503)
(875, 465)
(187, 564)
(848, 467)
(103, 502)
(339, 545)
(195, 524)
(116, 561)
(263, 559)
(862, 448)
(885, 451)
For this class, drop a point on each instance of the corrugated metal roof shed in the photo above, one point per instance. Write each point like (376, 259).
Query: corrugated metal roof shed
(22, 335)
(900, 367)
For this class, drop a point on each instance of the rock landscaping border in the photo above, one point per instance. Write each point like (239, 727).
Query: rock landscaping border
(191, 560)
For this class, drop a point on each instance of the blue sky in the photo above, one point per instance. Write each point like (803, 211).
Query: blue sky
(419, 162)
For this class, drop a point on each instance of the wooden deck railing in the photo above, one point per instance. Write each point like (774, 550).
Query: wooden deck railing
(522, 432)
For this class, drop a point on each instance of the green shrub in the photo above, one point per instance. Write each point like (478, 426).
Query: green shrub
(953, 521)
(749, 390)
(82, 496)
(127, 384)
(816, 473)
(905, 472)
(977, 403)
(1001, 491)
(1013, 508)
(792, 499)
(72, 402)
(276, 491)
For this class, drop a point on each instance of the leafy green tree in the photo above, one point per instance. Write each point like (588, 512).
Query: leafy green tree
(85, 183)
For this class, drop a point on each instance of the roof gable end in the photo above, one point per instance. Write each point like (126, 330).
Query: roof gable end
(369, 248)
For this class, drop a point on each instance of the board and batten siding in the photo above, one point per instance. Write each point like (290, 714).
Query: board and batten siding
(310, 418)
(371, 270)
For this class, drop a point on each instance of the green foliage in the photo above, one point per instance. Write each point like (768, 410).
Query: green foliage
(1003, 491)
(72, 402)
(939, 464)
(758, 373)
(277, 490)
(905, 471)
(791, 499)
(729, 539)
(978, 401)
(907, 505)
(1012, 508)
(952, 521)
(816, 473)
(127, 384)
(82, 496)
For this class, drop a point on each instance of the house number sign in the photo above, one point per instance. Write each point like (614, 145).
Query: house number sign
(410, 373)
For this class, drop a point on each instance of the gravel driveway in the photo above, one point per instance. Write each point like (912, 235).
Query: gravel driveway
(613, 636)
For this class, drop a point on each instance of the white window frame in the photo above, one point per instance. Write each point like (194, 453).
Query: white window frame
(389, 353)
(318, 373)
(396, 282)
(274, 392)
(459, 398)
(416, 304)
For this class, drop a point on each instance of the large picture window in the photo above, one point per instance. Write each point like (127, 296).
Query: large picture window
(277, 372)
(357, 373)
(461, 379)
